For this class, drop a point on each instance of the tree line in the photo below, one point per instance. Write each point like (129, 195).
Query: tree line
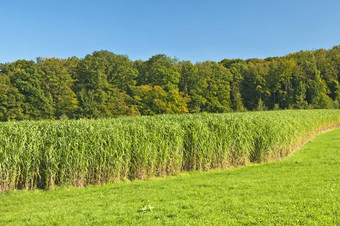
(104, 84)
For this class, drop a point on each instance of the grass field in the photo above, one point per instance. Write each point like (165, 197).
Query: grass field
(301, 189)
(43, 154)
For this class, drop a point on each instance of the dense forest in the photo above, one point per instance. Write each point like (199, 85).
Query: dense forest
(104, 84)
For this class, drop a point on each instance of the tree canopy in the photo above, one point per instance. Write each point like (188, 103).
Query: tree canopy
(104, 84)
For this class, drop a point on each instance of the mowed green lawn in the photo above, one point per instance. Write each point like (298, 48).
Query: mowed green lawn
(302, 189)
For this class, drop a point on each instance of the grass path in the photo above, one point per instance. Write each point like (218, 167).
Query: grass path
(302, 189)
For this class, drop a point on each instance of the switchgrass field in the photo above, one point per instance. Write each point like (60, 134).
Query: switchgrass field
(43, 154)
(303, 189)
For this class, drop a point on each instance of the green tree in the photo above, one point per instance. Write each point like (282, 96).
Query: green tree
(119, 69)
(237, 70)
(153, 100)
(97, 87)
(159, 70)
(10, 101)
(24, 76)
(208, 85)
(58, 82)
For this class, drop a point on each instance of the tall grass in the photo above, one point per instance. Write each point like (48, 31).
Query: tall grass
(47, 153)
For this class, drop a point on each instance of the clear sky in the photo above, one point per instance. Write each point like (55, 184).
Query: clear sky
(194, 30)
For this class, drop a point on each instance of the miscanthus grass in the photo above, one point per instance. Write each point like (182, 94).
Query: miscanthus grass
(81, 152)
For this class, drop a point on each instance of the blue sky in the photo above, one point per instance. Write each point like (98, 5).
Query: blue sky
(194, 30)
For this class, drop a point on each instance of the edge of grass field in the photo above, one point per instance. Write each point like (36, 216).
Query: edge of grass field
(308, 138)
(184, 174)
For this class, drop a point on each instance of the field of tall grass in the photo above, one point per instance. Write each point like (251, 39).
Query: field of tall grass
(81, 152)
